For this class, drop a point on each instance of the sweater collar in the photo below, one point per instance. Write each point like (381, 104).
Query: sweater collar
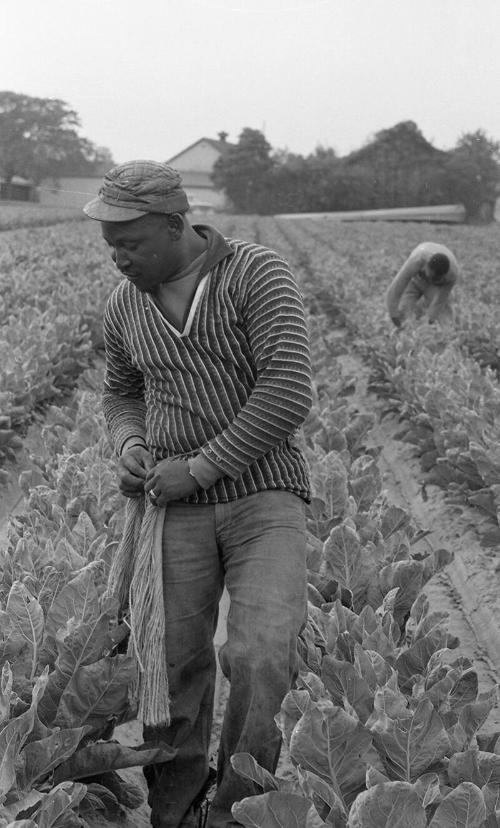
(218, 247)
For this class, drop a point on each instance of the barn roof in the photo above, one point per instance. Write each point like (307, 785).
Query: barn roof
(217, 144)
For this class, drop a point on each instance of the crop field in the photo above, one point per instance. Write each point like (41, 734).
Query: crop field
(29, 214)
(394, 717)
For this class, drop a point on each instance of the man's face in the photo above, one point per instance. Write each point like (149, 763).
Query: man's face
(432, 277)
(143, 250)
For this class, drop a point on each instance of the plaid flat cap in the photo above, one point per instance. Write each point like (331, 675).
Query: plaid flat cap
(133, 189)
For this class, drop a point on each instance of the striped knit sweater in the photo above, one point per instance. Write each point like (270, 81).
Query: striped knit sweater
(236, 388)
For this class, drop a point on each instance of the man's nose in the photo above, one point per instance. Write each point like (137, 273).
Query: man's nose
(121, 259)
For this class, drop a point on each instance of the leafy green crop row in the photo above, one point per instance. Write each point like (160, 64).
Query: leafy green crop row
(384, 719)
(62, 641)
(444, 385)
(13, 216)
(53, 285)
(382, 728)
(65, 679)
(450, 410)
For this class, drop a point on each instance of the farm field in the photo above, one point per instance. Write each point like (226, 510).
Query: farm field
(405, 460)
(29, 214)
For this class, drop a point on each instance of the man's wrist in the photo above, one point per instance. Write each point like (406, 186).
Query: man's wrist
(131, 442)
(203, 471)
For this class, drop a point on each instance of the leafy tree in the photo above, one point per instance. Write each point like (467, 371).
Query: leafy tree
(406, 170)
(397, 168)
(473, 175)
(288, 186)
(354, 188)
(243, 170)
(320, 182)
(96, 161)
(39, 137)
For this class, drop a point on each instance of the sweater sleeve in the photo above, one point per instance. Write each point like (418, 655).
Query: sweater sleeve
(123, 396)
(274, 316)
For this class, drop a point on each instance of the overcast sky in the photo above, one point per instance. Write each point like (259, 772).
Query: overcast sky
(150, 77)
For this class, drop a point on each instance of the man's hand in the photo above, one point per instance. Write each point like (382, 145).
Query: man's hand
(133, 467)
(169, 480)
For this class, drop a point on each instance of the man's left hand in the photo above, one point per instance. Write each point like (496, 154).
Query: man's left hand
(169, 480)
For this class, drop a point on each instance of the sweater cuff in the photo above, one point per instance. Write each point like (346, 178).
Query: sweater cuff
(203, 471)
(130, 442)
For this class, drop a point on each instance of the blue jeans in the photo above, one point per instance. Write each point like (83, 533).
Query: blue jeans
(256, 547)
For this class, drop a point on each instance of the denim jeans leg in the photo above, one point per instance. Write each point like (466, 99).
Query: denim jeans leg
(262, 538)
(192, 579)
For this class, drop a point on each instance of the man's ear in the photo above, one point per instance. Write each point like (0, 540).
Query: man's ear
(175, 223)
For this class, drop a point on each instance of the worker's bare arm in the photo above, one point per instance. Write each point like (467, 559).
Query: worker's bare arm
(399, 285)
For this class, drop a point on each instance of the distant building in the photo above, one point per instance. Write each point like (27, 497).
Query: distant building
(72, 191)
(18, 189)
(195, 164)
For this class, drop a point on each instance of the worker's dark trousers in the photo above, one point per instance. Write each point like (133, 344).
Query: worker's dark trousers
(256, 547)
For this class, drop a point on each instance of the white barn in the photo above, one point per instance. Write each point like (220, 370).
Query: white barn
(195, 164)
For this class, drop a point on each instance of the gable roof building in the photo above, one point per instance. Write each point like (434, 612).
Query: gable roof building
(195, 164)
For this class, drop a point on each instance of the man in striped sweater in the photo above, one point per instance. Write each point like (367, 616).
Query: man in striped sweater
(207, 382)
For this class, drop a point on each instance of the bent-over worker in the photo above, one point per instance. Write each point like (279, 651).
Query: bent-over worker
(423, 285)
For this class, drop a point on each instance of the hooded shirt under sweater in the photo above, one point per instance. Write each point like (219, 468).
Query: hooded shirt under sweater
(234, 385)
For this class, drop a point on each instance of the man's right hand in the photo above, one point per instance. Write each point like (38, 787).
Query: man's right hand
(133, 467)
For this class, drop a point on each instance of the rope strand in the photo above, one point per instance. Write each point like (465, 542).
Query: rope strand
(136, 581)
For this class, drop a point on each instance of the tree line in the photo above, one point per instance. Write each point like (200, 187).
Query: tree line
(397, 168)
(39, 138)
